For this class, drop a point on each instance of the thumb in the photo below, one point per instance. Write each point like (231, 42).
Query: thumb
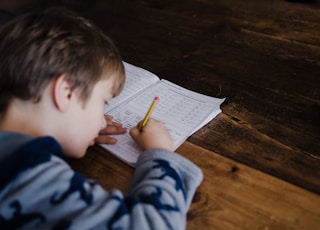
(134, 132)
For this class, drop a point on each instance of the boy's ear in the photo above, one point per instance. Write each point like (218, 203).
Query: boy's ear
(62, 93)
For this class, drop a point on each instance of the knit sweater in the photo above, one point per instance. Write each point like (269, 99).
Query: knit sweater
(38, 190)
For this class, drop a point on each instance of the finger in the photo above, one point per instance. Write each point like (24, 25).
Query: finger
(116, 124)
(108, 117)
(134, 132)
(109, 120)
(113, 130)
(105, 140)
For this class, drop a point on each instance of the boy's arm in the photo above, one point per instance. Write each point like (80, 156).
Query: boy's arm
(164, 183)
(159, 197)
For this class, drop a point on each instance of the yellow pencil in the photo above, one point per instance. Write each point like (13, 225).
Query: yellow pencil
(146, 118)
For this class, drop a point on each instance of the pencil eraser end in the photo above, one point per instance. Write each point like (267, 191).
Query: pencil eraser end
(156, 98)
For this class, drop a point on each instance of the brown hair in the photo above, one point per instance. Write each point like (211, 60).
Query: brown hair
(37, 47)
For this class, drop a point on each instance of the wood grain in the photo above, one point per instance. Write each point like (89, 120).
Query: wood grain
(231, 196)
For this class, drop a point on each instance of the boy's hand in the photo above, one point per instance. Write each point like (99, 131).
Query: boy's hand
(112, 128)
(154, 135)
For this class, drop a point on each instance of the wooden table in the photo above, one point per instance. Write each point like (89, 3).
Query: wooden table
(261, 155)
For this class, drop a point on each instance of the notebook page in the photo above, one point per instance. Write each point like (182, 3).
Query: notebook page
(137, 79)
(182, 111)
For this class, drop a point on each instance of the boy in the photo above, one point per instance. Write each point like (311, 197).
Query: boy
(56, 73)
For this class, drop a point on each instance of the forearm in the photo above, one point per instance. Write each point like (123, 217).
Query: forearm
(166, 182)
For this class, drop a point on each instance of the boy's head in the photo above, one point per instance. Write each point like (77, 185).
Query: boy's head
(38, 47)
(56, 58)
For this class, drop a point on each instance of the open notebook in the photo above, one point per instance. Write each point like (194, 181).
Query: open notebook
(181, 110)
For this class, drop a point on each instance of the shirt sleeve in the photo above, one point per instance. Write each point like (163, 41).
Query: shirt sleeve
(164, 183)
(53, 196)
